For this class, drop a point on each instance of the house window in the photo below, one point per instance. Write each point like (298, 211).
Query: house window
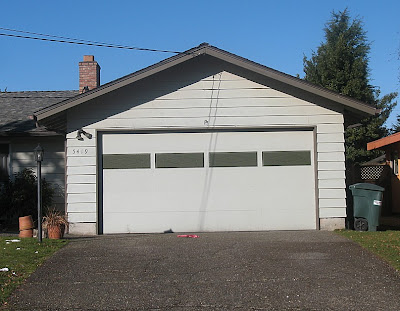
(4, 152)
(395, 163)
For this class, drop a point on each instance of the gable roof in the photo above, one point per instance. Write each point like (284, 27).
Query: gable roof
(17, 107)
(379, 161)
(353, 105)
(385, 141)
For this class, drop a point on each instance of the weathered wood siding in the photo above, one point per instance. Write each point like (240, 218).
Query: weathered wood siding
(218, 100)
(53, 166)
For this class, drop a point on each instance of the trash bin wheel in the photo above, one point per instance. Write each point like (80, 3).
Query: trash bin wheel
(360, 224)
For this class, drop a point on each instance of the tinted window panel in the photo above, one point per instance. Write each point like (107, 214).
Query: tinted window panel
(179, 160)
(3, 162)
(233, 159)
(286, 158)
(4, 148)
(126, 161)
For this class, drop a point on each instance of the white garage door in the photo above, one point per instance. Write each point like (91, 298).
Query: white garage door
(220, 181)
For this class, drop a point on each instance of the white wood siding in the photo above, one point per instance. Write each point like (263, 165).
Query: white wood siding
(53, 165)
(220, 100)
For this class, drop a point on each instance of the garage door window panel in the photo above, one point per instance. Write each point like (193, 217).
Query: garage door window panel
(233, 159)
(126, 161)
(179, 160)
(286, 158)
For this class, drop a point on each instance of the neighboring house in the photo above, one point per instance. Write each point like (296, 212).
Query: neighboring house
(19, 135)
(204, 141)
(391, 146)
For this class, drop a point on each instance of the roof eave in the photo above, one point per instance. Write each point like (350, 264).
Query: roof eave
(119, 83)
(31, 134)
(383, 142)
(360, 108)
(295, 82)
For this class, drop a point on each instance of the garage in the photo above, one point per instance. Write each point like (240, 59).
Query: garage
(204, 140)
(245, 180)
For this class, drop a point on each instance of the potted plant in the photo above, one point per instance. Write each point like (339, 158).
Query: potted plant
(55, 224)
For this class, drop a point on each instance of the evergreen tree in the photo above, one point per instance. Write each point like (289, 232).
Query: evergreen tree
(341, 64)
(396, 127)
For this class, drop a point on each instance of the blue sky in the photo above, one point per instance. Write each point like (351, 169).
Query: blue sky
(276, 34)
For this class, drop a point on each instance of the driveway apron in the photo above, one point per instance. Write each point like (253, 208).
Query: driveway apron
(297, 270)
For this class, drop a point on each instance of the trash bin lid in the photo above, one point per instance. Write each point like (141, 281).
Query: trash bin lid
(367, 186)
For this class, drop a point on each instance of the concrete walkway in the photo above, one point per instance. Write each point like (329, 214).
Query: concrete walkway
(307, 270)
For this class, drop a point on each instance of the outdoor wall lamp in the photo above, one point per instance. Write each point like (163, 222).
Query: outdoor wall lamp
(80, 132)
(39, 153)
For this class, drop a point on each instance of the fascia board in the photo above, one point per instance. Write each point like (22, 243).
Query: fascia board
(383, 142)
(217, 53)
(116, 84)
(295, 82)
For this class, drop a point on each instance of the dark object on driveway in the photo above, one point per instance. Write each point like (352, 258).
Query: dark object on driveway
(367, 200)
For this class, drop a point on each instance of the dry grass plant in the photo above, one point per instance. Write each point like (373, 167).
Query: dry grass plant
(55, 218)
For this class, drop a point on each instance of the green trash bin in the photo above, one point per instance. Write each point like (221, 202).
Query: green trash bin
(367, 200)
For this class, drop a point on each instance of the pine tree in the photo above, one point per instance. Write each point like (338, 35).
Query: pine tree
(396, 127)
(341, 64)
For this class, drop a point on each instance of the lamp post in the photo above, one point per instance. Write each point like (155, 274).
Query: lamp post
(39, 152)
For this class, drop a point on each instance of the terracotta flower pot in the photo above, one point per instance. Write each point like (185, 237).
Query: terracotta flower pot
(25, 223)
(55, 232)
(28, 233)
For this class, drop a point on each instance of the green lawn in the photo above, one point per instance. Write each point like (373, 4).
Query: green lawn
(385, 244)
(22, 259)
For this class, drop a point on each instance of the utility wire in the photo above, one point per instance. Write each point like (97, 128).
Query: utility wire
(59, 37)
(77, 41)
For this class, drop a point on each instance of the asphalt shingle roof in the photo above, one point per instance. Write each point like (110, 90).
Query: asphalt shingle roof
(16, 109)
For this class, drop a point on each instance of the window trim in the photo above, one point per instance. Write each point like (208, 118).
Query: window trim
(395, 163)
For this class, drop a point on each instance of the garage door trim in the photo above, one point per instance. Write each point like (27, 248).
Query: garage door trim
(100, 133)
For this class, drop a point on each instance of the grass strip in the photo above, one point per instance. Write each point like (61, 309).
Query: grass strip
(385, 244)
(21, 259)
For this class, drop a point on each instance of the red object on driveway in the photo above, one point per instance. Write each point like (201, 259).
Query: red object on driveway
(188, 236)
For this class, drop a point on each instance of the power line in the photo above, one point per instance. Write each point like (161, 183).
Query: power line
(77, 41)
(59, 37)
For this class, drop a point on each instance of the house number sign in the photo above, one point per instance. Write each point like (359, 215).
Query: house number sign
(80, 151)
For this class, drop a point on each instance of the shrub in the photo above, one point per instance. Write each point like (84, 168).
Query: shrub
(18, 196)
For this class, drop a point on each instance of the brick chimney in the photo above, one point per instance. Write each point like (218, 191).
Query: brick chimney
(89, 74)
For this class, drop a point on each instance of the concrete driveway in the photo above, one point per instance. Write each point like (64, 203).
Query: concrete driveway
(306, 270)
